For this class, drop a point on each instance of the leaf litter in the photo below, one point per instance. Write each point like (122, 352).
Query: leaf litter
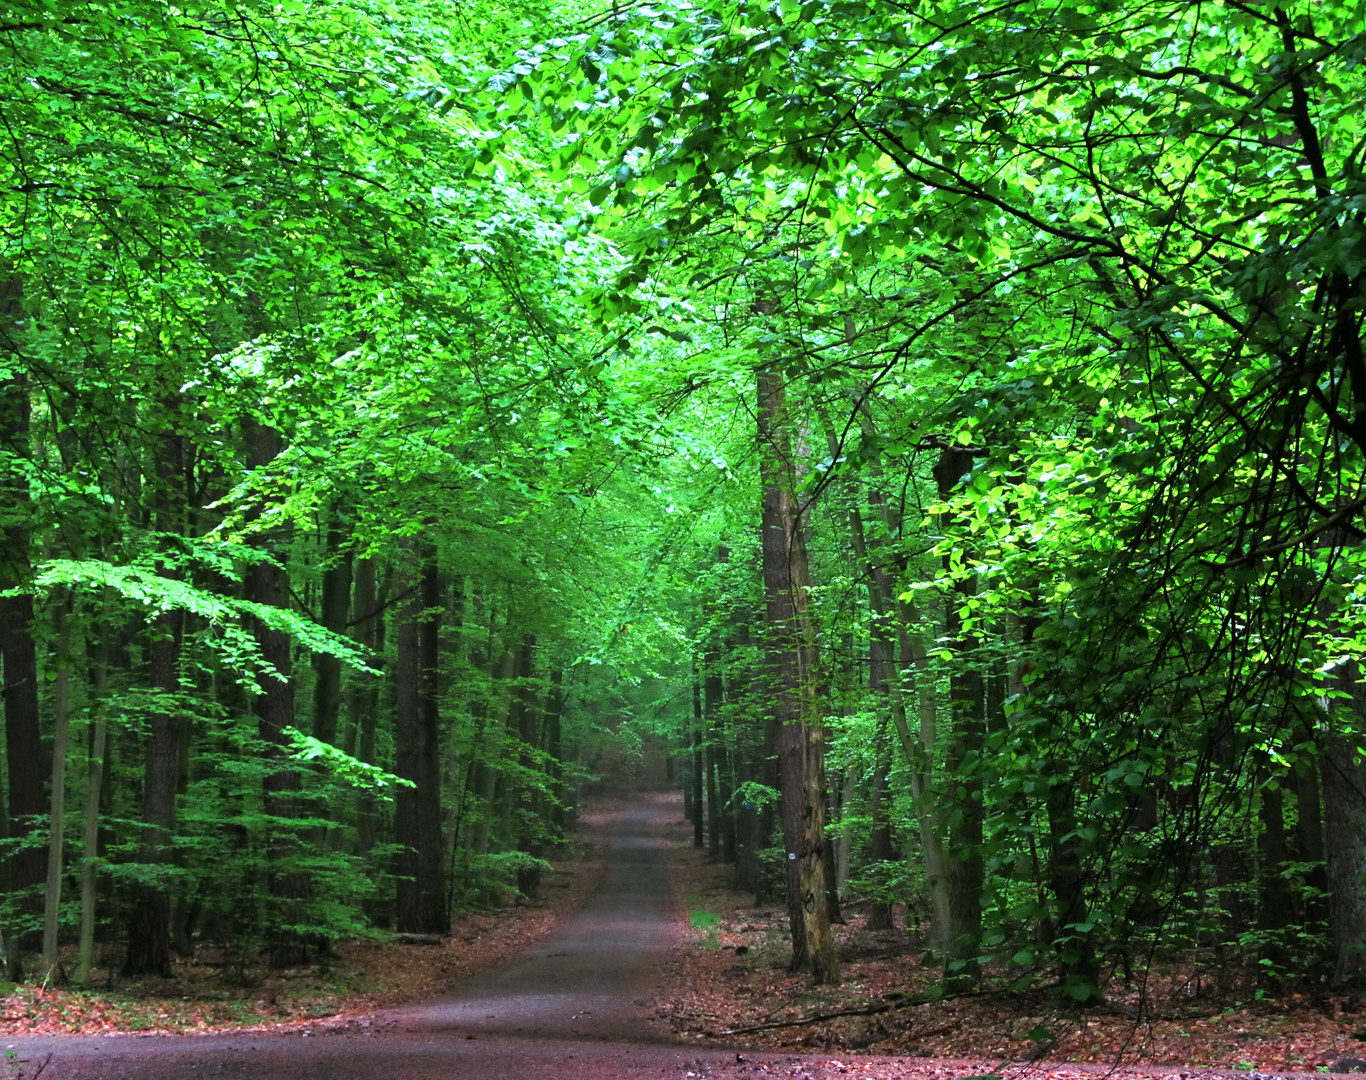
(728, 971)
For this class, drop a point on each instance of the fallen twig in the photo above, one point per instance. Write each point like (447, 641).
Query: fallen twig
(874, 1010)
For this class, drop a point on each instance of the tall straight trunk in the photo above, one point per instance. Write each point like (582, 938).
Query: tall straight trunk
(913, 664)
(881, 846)
(713, 690)
(965, 870)
(52, 896)
(709, 763)
(336, 596)
(1344, 804)
(792, 668)
(367, 604)
(267, 583)
(1275, 896)
(99, 735)
(529, 830)
(1308, 835)
(486, 782)
(417, 810)
(885, 678)
(25, 869)
(149, 921)
(699, 769)
(554, 747)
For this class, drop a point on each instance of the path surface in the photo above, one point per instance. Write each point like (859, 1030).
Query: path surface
(571, 1007)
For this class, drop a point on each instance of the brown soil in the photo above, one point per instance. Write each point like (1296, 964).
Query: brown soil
(733, 974)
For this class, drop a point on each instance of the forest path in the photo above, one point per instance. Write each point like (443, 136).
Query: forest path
(570, 1007)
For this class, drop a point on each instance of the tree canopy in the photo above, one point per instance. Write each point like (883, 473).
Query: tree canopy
(944, 417)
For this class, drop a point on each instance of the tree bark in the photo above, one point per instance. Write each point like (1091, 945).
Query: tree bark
(267, 583)
(792, 667)
(528, 804)
(99, 733)
(52, 896)
(1344, 804)
(24, 870)
(336, 596)
(149, 921)
(963, 865)
(417, 812)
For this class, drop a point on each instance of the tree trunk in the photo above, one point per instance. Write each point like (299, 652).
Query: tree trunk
(52, 896)
(417, 812)
(267, 583)
(99, 734)
(528, 807)
(336, 596)
(963, 865)
(882, 849)
(1275, 897)
(699, 769)
(149, 921)
(1344, 803)
(367, 605)
(792, 666)
(24, 870)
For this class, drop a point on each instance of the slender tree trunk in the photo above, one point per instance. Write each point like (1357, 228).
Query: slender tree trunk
(965, 870)
(52, 897)
(554, 745)
(699, 769)
(99, 734)
(530, 829)
(792, 664)
(1275, 896)
(1344, 803)
(713, 691)
(25, 869)
(881, 849)
(487, 780)
(1308, 836)
(367, 605)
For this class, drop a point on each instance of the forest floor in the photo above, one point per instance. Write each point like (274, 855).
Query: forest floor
(210, 993)
(729, 972)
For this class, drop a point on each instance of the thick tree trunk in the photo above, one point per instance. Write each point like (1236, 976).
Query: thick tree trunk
(417, 812)
(792, 667)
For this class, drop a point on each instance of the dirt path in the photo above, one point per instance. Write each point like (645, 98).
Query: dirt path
(570, 1009)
